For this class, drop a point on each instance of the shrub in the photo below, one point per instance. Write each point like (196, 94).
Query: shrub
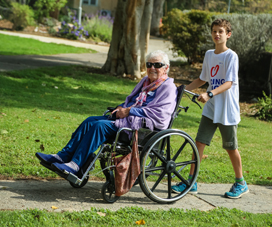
(249, 36)
(21, 16)
(73, 30)
(186, 29)
(264, 108)
(99, 27)
(45, 7)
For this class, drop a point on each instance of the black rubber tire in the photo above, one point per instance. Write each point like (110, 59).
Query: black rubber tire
(173, 150)
(81, 185)
(108, 192)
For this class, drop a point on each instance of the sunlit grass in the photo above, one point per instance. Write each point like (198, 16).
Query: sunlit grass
(12, 45)
(41, 108)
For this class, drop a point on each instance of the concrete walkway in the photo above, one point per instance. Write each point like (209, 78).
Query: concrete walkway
(29, 194)
(23, 194)
(90, 59)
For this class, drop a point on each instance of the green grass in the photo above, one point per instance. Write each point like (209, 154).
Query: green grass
(129, 217)
(12, 45)
(41, 108)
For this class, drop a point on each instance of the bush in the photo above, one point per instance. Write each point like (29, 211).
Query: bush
(186, 29)
(46, 7)
(249, 37)
(99, 28)
(21, 16)
(264, 108)
(72, 31)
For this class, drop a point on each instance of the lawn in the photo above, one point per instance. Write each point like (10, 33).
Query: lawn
(12, 45)
(41, 108)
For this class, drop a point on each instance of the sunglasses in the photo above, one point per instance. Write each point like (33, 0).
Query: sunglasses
(156, 65)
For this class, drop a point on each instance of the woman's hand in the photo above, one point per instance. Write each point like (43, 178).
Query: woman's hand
(121, 112)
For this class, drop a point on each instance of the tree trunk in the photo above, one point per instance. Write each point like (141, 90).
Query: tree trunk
(130, 35)
(157, 14)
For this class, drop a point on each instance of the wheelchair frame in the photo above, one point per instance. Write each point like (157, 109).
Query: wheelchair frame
(159, 159)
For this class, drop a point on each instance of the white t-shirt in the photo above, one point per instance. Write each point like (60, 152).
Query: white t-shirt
(217, 69)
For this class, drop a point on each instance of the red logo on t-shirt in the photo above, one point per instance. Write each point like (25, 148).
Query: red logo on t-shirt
(214, 70)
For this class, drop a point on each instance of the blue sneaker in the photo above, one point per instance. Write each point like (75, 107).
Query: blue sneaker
(181, 186)
(237, 190)
(47, 158)
(62, 168)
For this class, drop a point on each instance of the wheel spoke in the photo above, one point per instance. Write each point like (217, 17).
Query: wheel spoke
(168, 148)
(158, 181)
(169, 185)
(152, 169)
(181, 178)
(180, 149)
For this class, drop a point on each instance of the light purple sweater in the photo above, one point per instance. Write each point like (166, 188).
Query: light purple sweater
(158, 111)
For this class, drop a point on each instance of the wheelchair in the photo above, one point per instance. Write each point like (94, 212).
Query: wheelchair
(165, 159)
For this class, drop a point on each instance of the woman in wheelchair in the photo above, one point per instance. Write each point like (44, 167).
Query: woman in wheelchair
(153, 99)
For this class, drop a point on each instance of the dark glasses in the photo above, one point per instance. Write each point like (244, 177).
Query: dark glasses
(156, 65)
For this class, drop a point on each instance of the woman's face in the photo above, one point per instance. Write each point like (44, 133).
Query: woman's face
(155, 73)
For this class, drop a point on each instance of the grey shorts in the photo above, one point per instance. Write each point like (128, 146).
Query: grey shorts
(207, 129)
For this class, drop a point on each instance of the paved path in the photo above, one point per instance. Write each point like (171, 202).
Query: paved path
(25, 194)
(95, 60)
(29, 194)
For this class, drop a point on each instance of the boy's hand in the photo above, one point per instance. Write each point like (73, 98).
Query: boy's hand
(203, 97)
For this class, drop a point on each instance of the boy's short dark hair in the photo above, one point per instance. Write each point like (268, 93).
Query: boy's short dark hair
(222, 23)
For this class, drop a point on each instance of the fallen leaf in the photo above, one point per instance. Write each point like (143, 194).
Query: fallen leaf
(261, 177)
(246, 171)
(54, 208)
(269, 178)
(37, 141)
(33, 110)
(101, 214)
(26, 120)
(3, 131)
(42, 147)
(205, 156)
(27, 137)
(76, 87)
(3, 114)
(140, 222)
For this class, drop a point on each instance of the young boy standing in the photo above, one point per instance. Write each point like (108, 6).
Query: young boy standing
(220, 70)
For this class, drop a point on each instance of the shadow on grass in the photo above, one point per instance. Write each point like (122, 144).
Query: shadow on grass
(75, 89)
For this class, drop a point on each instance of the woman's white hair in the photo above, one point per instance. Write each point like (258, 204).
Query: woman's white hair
(162, 54)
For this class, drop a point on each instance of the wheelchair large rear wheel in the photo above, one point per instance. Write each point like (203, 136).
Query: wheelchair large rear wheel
(172, 153)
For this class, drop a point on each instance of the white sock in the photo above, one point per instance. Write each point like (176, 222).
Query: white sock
(72, 165)
(57, 157)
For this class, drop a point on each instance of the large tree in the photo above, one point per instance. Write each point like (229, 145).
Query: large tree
(157, 14)
(130, 36)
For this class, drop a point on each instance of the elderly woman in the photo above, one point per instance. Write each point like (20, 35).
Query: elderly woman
(153, 99)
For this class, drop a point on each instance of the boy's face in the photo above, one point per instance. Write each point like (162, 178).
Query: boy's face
(220, 35)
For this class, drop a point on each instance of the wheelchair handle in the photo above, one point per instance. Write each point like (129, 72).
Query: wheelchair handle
(195, 96)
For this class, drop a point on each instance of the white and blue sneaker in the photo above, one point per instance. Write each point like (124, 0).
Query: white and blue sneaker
(237, 190)
(180, 187)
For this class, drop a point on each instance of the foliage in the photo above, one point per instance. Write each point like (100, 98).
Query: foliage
(130, 215)
(20, 46)
(72, 30)
(185, 29)
(222, 6)
(22, 16)
(44, 106)
(99, 27)
(43, 8)
(264, 108)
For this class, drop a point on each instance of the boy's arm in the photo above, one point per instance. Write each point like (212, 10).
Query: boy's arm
(205, 97)
(195, 84)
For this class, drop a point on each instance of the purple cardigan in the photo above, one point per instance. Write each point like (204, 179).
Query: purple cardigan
(158, 111)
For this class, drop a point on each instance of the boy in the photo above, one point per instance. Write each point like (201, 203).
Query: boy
(220, 70)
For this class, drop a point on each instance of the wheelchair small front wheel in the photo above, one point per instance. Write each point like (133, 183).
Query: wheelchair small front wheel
(175, 153)
(108, 192)
(84, 182)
